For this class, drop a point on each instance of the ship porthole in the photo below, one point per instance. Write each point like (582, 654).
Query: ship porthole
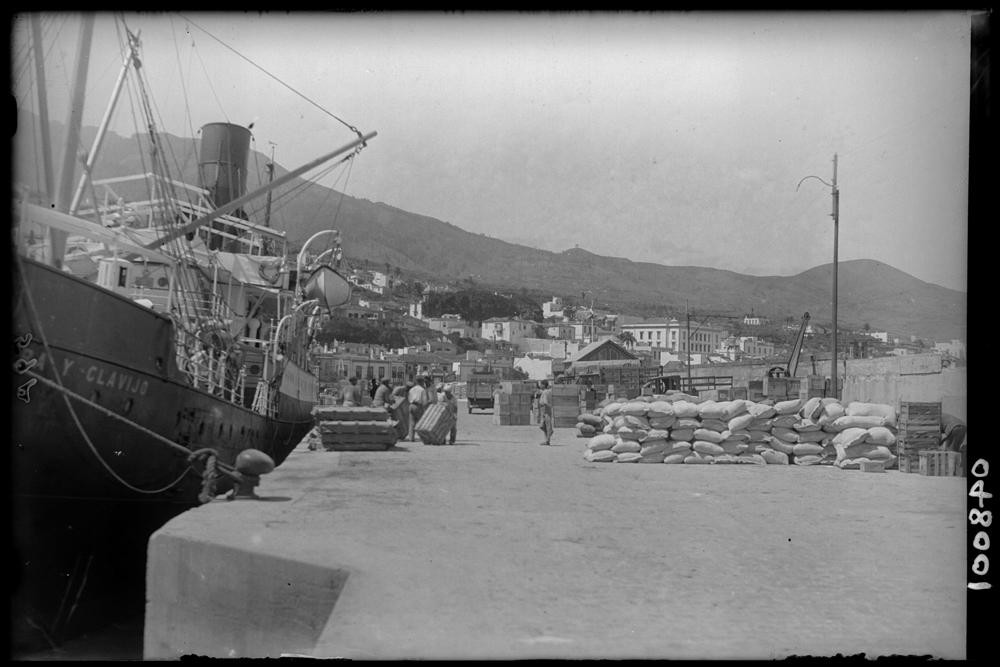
(254, 369)
(158, 362)
(127, 406)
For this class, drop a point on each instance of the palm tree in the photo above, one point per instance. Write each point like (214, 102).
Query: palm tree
(627, 338)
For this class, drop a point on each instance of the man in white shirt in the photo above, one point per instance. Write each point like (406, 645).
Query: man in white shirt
(416, 397)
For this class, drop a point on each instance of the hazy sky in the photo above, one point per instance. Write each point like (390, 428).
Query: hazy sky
(664, 137)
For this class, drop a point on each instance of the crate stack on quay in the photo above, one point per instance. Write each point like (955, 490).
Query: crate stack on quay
(678, 428)
(919, 429)
(512, 403)
(565, 405)
(345, 428)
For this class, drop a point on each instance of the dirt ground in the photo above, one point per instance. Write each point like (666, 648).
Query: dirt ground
(498, 547)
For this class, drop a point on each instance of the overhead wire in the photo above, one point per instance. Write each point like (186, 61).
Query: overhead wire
(272, 76)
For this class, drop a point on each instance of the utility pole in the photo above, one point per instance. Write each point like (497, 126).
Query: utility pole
(687, 344)
(835, 193)
(836, 231)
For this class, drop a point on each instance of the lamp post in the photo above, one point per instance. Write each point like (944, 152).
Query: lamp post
(835, 193)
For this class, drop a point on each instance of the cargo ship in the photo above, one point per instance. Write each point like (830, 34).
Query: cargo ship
(158, 334)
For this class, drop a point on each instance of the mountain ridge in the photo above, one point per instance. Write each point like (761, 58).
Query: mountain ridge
(870, 291)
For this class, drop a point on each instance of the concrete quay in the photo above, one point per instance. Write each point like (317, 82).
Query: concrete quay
(500, 548)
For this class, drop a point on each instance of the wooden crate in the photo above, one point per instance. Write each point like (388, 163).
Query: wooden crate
(940, 463)
(919, 413)
(919, 428)
(909, 464)
(872, 466)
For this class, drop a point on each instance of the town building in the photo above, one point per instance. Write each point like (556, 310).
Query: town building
(954, 348)
(511, 330)
(882, 336)
(560, 331)
(752, 320)
(672, 335)
(553, 308)
(450, 323)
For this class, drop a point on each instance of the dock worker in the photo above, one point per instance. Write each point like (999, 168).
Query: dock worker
(380, 398)
(952, 432)
(430, 395)
(417, 401)
(451, 403)
(352, 396)
(545, 412)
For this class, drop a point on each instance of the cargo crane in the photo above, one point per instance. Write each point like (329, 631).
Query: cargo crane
(789, 369)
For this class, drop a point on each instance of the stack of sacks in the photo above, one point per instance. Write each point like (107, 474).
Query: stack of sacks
(810, 437)
(654, 446)
(853, 448)
(682, 433)
(876, 420)
(587, 425)
(783, 436)
(759, 430)
(599, 449)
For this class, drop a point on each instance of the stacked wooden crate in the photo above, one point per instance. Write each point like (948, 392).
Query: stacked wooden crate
(816, 387)
(940, 463)
(565, 405)
(919, 429)
(782, 389)
(512, 403)
(354, 428)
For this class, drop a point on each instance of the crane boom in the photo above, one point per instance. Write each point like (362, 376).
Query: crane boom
(793, 359)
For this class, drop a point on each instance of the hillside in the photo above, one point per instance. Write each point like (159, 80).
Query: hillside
(870, 292)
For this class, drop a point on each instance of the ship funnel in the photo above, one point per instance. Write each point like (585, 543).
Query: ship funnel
(222, 165)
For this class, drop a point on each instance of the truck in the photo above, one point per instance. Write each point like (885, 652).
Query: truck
(480, 390)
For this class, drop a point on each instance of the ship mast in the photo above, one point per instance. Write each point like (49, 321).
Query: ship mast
(62, 200)
(270, 177)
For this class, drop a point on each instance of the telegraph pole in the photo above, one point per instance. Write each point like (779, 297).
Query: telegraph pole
(687, 344)
(836, 231)
(835, 193)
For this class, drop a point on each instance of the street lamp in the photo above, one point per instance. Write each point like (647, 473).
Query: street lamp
(835, 193)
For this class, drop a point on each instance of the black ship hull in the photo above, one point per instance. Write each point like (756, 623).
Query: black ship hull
(89, 489)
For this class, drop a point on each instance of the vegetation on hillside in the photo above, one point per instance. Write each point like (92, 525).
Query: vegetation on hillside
(476, 305)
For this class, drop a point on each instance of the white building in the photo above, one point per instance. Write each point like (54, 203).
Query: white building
(955, 348)
(752, 346)
(553, 308)
(672, 335)
(511, 330)
(882, 336)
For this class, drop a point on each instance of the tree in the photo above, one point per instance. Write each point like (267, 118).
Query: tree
(541, 331)
(569, 312)
(627, 338)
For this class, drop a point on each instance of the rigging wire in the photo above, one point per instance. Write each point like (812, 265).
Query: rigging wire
(318, 106)
(183, 78)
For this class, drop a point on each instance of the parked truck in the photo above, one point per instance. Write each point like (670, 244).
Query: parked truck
(480, 390)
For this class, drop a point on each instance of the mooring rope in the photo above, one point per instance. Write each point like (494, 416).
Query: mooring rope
(67, 393)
